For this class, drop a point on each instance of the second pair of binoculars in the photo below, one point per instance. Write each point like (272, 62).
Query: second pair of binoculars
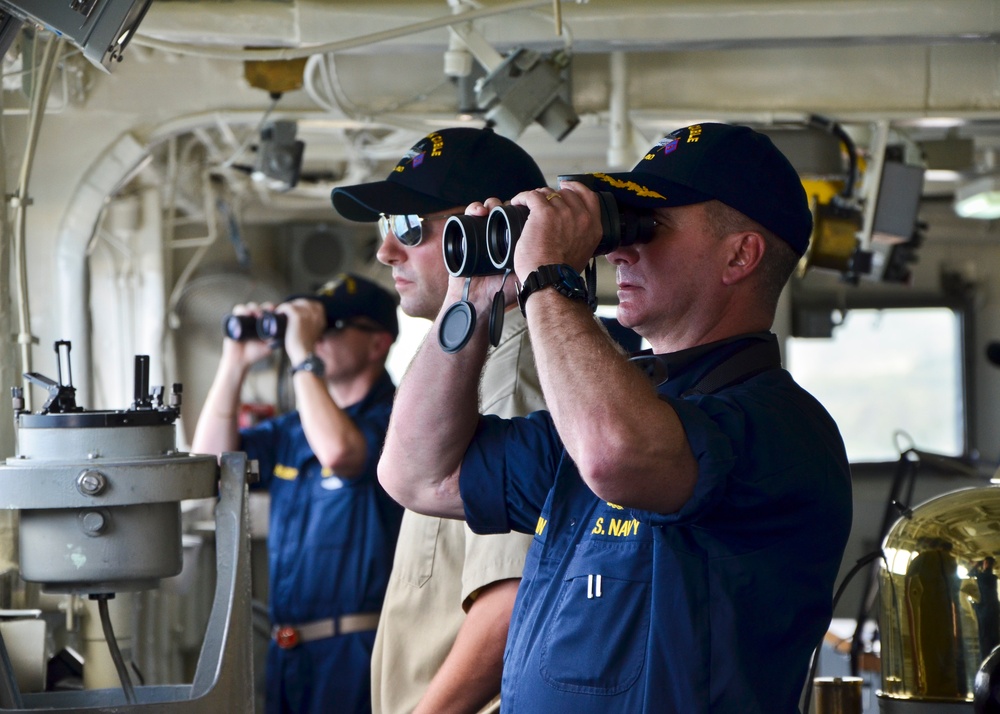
(268, 327)
(473, 245)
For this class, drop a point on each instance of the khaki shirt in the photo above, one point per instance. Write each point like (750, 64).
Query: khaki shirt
(440, 563)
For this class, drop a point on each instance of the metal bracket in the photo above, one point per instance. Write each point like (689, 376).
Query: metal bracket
(223, 679)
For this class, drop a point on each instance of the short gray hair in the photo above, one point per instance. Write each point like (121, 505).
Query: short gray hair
(779, 259)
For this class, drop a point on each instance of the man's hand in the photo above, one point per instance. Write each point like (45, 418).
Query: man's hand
(563, 227)
(216, 431)
(242, 354)
(306, 325)
(483, 288)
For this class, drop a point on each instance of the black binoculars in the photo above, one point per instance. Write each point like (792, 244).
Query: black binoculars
(269, 327)
(472, 245)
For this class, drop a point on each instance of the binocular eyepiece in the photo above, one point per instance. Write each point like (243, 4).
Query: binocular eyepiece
(268, 327)
(472, 245)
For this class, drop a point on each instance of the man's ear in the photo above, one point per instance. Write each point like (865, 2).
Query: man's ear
(746, 251)
(380, 344)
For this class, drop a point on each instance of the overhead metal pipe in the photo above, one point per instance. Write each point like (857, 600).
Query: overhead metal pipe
(620, 145)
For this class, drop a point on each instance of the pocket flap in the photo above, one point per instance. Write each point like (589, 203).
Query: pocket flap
(623, 561)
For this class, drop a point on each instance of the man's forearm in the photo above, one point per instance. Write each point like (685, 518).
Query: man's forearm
(470, 676)
(217, 428)
(628, 444)
(332, 435)
(434, 418)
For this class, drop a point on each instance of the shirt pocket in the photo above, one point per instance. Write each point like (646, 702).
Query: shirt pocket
(414, 560)
(596, 642)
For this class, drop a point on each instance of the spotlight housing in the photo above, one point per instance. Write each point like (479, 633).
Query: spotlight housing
(279, 156)
(101, 28)
(979, 198)
(527, 87)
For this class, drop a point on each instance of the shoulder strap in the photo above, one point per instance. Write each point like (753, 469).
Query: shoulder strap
(739, 367)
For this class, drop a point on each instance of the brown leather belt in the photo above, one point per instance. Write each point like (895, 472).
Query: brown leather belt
(289, 636)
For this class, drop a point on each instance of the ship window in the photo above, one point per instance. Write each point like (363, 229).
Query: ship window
(882, 372)
(412, 331)
(886, 371)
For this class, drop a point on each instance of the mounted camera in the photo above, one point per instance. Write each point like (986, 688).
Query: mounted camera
(472, 245)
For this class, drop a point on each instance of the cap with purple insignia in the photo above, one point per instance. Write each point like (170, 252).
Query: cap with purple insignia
(732, 164)
(447, 168)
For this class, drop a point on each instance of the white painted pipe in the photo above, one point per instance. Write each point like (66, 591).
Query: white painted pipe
(620, 147)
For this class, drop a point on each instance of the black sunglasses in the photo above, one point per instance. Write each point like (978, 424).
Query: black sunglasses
(341, 325)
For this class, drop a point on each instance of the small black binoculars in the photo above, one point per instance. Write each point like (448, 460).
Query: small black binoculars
(268, 327)
(472, 245)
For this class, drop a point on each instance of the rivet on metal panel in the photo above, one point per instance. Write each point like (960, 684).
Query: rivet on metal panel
(91, 483)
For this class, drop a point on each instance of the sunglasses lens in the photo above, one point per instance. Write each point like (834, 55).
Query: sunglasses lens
(383, 226)
(405, 228)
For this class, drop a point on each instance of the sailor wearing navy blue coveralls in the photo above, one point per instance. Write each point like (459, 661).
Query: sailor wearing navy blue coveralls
(332, 528)
(687, 537)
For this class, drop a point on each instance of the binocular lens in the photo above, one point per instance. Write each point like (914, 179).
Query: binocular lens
(463, 246)
(269, 327)
(240, 327)
(503, 228)
(478, 246)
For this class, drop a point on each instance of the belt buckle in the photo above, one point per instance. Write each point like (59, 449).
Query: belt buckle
(286, 637)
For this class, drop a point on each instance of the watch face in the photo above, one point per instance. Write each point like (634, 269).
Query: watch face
(571, 283)
(311, 364)
(561, 277)
(316, 367)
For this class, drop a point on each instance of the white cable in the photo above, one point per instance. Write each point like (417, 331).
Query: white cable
(349, 108)
(329, 94)
(40, 92)
(456, 6)
(316, 64)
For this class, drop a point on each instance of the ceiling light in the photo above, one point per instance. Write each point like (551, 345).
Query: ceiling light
(942, 175)
(979, 198)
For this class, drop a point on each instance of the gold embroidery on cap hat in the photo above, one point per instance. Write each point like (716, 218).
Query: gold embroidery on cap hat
(330, 287)
(437, 143)
(629, 186)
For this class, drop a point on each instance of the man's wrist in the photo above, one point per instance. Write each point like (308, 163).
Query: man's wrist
(312, 364)
(563, 278)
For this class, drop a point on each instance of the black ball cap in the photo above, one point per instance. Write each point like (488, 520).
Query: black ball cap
(732, 164)
(349, 296)
(446, 169)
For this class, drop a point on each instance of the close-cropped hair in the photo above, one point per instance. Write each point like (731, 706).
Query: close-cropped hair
(779, 259)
